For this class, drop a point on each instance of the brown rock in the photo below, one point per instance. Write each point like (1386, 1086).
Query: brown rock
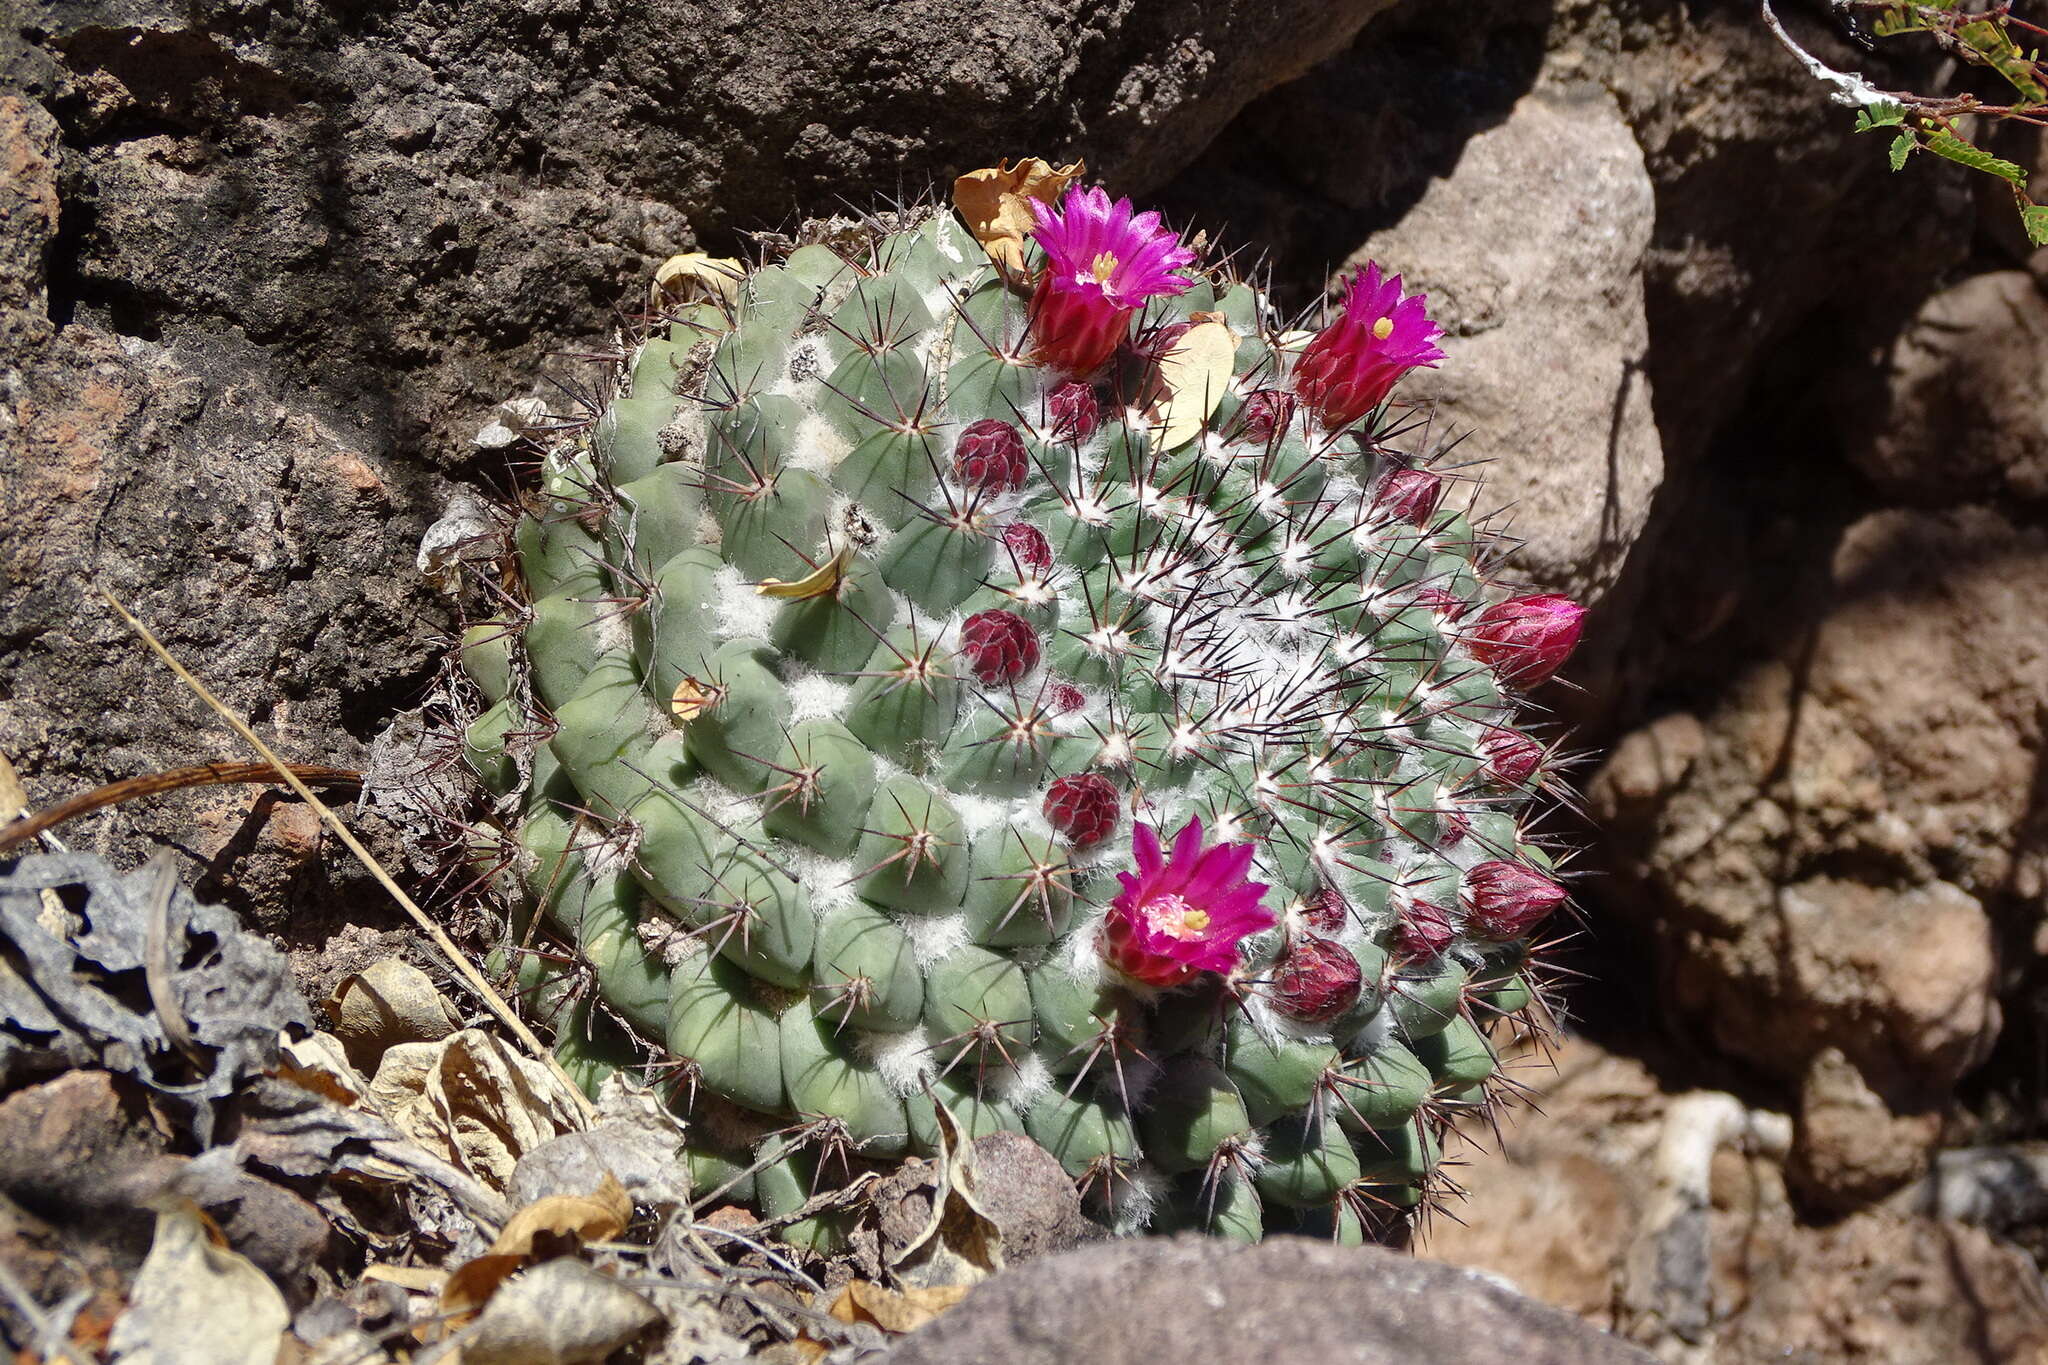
(1289, 1299)
(1850, 1149)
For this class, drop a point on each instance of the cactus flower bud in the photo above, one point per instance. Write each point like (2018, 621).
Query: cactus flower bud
(1326, 909)
(1072, 411)
(1066, 698)
(1526, 639)
(1423, 931)
(991, 456)
(1350, 366)
(1082, 807)
(1408, 495)
(1000, 646)
(1025, 541)
(1182, 915)
(1102, 263)
(1265, 413)
(1512, 758)
(1318, 980)
(1505, 900)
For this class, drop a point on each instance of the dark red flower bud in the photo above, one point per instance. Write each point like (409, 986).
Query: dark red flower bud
(1000, 646)
(1511, 756)
(1317, 981)
(1082, 807)
(1506, 900)
(1326, 909)
(1072, 411)
(1424, 930)
(991, 455)
(1025, 541)
(1525, 639)
(1452, 827)
(1408, 495)
(1066, 698)
(1266, 412)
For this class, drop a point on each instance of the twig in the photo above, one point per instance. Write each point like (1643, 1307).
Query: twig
(31, 823)
(48, 1338)
(460, 961)
(1851, 89)
(156, 958)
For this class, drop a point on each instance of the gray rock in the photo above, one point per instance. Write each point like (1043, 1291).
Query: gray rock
(1288, 1301)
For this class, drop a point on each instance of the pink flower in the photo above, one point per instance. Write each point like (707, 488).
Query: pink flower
(1526, 639)
(1351, 365)
(1185, 915)
(1102, 264)
(1505, 900)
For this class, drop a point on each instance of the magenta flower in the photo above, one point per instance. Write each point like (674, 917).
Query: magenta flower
(1184, 915)
(1351, 365)
(1526, 639)
(1102, 264)
(1505, 900)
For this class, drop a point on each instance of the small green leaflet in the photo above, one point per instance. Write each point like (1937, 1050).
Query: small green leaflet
(1885, 114)
(2034, 218)
(1902, 147)
(1995, 45)
(1946, 144)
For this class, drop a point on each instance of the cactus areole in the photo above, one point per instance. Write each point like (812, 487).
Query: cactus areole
(993, 662)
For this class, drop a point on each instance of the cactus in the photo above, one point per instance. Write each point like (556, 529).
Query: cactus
(1011, 672)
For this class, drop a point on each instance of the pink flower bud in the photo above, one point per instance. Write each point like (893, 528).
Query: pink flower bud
(1072, 411)
(1511, 756)
(1506, 900)
(1266, 412)
(1525, 639)
(1317, 981)
(1326, 909)
(991, 455)
(1029, 545)
(1000, 646)
(1424, 931)
(1066, 698)
(1082, 808)
(1408, 495)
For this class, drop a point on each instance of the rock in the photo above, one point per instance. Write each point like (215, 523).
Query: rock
(1851, 1150)
(1018, 1184)
(1856, 814)
(1289, 1299)
(1532, 251)
(1956, 411)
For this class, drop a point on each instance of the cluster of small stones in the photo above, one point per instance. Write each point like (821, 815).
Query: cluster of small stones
(852, 645)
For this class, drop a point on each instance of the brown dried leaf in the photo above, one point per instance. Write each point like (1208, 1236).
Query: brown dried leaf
(816, 583)
(198, 1302)
(895, 1310)
(558, 1313)
(420, 1279)
(996, 204)
(960, 1245)
(1191, 379)
(474, 1102)
(595, 1217)
(470, 1285)
(694, 275)
(386, 1003)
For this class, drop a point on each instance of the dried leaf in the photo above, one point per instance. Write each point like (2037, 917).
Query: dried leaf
(420, 1279)
(595, 1217)
(1191, 380)
(386, 1003)
(198, 1302)
(319, 1063)
(472, 1284)
(558, 1313)
(474, 1102)
(692, 699)
(13, 800)
(961, 1244)
(895, 1310)
(816, 583)
(694, 275)
(996, 204)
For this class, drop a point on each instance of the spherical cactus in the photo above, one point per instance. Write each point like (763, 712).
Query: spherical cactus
(1007, 670)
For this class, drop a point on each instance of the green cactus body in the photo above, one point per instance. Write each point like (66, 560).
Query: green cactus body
(853, 700)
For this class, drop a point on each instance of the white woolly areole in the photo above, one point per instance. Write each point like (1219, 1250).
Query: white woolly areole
(709, 533)
(742, 612)
(815, 696)
(830, 881)
(978, 814)
(903, 1060)
(721, 804)
(933, 937)
(1024, 1084)
(1130, 1198)
(817, 446)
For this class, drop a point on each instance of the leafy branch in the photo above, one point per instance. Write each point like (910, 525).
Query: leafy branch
(1990, 38)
